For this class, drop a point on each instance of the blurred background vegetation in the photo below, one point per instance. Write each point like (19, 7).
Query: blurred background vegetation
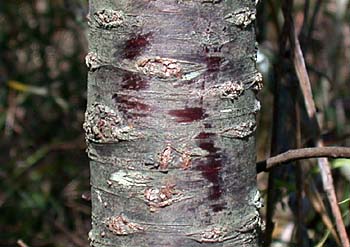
(44, 172)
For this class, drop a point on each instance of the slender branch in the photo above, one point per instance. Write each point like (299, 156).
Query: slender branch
(302, 153)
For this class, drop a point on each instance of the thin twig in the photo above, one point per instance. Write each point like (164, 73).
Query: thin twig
(303, 153)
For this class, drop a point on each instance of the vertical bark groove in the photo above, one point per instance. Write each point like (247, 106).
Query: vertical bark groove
(170, 123)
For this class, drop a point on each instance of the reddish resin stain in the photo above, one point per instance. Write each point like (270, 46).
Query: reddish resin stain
(213, 63)
(134, 82)
(218, 207)
(188, 115)
(129, 105)
(210, 166)
(136, 45)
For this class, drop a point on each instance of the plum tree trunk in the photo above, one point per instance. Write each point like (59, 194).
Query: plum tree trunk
(170, 123)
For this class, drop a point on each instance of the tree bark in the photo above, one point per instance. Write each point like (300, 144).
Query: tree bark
(170, 123)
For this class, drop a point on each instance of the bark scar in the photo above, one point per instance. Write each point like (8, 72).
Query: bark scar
(165, 158)
(163, 196)
(160, 67)
(104, 125)
(211, 235)
(242, 17)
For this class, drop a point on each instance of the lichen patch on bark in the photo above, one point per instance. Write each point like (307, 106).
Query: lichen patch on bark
(129, 178)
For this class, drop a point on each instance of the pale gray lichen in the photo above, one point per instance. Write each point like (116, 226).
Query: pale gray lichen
(104, 125)
(241, 17)
(128, 178)
(199, 152)
(240, 131)
(227, 90)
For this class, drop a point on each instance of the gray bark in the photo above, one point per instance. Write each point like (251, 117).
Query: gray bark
(170, 123)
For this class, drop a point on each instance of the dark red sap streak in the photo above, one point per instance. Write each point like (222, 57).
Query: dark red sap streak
(132, 106)
(211, 164)
(213, 63)
(188, 115)
(134, 82)
(135, 45)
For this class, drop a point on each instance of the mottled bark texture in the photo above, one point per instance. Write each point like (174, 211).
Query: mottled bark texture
(170, 123)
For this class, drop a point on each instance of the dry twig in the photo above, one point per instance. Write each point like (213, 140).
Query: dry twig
(303, 153)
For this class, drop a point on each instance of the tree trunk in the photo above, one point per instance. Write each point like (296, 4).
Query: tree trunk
(170, 123)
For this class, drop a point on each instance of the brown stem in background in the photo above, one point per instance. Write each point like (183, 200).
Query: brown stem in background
(282, 134)
(274, 15)
(312, 22)
(305, 20)
(302, 153)
(284, 93)
(299, 184)
(304, 81)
